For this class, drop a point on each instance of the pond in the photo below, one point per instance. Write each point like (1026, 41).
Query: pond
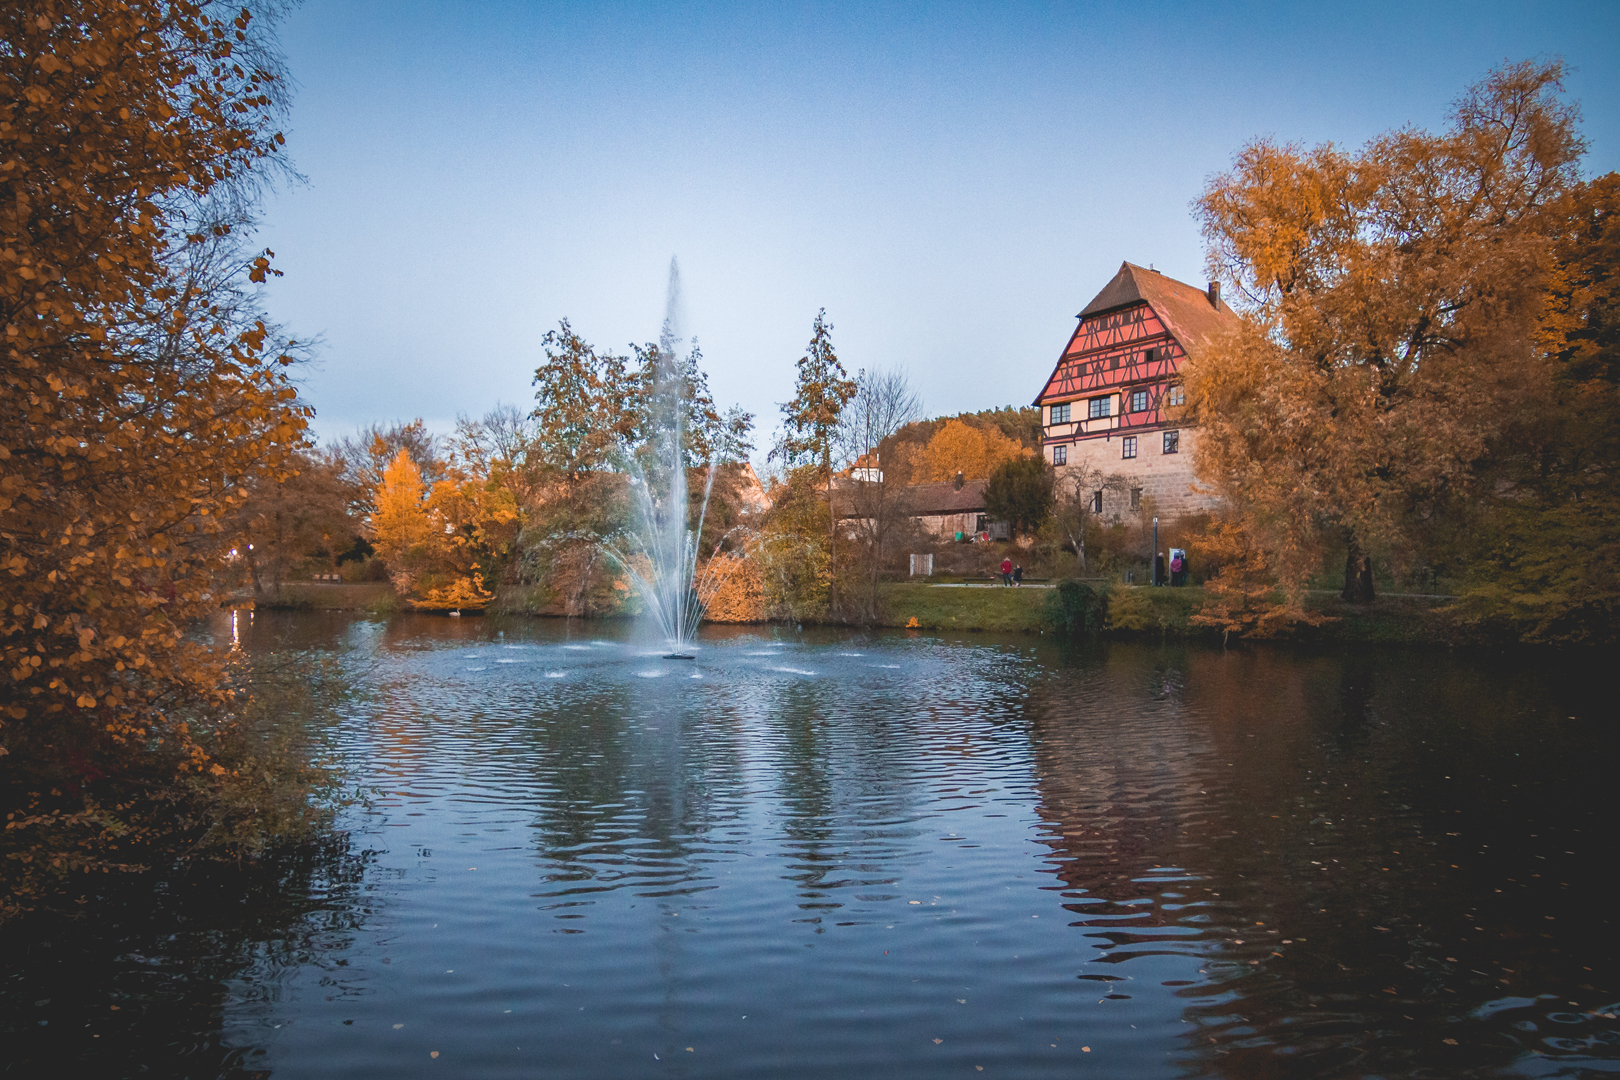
(836, 854)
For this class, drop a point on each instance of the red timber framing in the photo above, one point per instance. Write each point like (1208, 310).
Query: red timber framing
(1109, 356)
(1117, 373)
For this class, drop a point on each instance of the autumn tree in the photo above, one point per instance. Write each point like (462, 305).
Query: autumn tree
(145, 392)
(287, 519)
(707, 434)
(820, 392)
(973, 450)
(810, 422)
(594, 423)
(1242, 596)
(1391, 299)
(441, 544)
(499, 446)
(794, 557)
(404, 535)
(1545, 551)
(368, 453)
(586, 404)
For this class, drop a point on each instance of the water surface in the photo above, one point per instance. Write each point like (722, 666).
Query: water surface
(832, 854)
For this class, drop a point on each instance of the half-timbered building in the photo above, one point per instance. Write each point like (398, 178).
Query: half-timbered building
(1110, 406)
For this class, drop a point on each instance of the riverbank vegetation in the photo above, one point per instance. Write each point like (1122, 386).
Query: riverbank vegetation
(147, 399)
(1425, 377)
(1421, 398)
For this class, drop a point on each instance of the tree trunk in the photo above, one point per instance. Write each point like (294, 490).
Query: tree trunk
(1358, 579)
(832, 541)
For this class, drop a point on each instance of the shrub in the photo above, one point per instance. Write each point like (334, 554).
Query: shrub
(1076, 608)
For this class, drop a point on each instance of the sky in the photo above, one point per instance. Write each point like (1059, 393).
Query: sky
(952, 183)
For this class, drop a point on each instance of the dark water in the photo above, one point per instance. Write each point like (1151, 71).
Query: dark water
(839, 855)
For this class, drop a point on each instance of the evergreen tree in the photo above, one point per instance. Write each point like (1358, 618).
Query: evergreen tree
(811, 419)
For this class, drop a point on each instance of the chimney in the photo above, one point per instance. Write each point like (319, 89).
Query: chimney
(960, 480)
(1215, 295)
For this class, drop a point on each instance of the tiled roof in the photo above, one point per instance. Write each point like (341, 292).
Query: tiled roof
(1185, 309)
(918, 499)
(945, 498)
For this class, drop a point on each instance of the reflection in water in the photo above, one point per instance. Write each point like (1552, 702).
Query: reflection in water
(187, 977)
(1316, 852)
(831, 855)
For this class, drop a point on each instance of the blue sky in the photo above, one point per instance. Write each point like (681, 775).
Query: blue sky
(951, 182)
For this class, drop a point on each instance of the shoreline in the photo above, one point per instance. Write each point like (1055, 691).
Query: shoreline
(1135, 612)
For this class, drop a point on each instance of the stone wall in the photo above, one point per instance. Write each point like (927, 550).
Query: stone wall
(1166, 479)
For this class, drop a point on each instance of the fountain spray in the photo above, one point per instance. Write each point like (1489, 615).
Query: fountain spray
(659, 552)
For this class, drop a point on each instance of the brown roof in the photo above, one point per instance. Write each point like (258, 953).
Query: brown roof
(1185, 310)
(945, 498)
(918, 500)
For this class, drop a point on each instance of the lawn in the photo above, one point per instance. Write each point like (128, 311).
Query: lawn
(974, 608)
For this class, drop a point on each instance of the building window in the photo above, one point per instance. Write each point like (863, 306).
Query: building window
(1172, 442)
(1128, 446)
(1099, 407)
(1138, 401)
(1096, 503)
(1136, 498)
(1060, 455)
(1060, 413)
(1149, 355)
(1178, 395)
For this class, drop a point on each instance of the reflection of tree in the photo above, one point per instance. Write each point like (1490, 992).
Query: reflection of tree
(847, 762)
(630, 788)
(807, 794)
(1271, 818)
(154, 981)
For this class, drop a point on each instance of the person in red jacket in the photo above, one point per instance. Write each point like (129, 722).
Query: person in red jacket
(1006, 571)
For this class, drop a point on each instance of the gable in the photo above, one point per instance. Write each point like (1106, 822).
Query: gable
(1139, 327)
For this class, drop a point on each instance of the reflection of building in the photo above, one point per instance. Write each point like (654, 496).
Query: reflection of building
(1110, 405)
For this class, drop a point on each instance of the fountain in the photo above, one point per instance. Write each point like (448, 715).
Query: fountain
(659, 552)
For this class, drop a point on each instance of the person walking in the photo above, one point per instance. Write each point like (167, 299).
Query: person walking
(1018, 576)
(1006, 571)
(1176, 567)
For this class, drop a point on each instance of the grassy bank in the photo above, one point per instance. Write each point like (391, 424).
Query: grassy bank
(938, 607)
(1143, 611)
(374, 597)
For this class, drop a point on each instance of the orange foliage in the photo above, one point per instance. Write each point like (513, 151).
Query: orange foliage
(739, 596)
(966, 448)
(142, 393)
(1393, 299)
(1243, 596)
(404, 535)
(438, 548)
